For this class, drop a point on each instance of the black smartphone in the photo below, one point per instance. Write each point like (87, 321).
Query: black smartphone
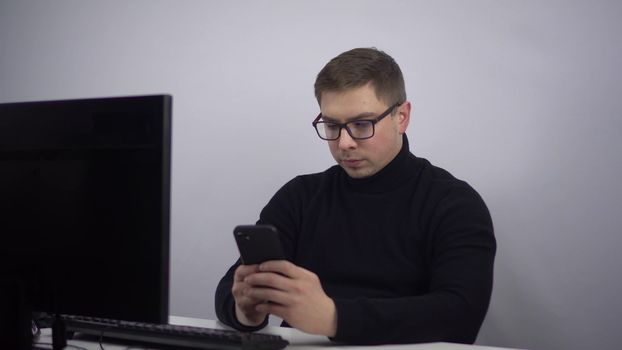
(258, 243)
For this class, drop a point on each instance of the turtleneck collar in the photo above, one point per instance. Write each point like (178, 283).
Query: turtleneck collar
(388, 178)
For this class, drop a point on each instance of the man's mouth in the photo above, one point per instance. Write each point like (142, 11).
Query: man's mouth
(351, 162)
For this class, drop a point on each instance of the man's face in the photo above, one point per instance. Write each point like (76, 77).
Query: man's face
(363, 158)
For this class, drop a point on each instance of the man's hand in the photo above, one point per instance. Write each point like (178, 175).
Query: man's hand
(245, 305)
(290, 292)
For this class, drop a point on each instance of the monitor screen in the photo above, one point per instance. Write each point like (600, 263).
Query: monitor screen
(84, 203)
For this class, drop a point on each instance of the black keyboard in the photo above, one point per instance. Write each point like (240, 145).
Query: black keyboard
(168, 334)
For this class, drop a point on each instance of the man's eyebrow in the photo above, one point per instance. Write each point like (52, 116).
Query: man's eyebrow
(363, 115)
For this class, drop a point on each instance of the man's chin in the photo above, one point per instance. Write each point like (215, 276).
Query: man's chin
(356, 173)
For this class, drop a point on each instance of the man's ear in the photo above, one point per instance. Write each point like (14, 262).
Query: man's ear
(403, 117)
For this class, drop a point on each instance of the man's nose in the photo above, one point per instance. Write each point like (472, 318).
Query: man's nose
(345, 140)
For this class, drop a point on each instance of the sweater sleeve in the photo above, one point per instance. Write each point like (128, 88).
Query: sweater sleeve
(460, 256)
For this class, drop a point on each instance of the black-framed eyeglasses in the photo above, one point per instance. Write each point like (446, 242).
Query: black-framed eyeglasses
(359, 129)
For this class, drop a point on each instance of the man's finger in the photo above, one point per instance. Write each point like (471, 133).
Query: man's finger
(283, 267)
(274, 296)
(244, 270)
(269, 279)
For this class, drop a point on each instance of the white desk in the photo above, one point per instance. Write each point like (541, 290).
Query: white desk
(298, 340)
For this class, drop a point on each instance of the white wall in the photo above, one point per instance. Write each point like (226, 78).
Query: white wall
(520, 98)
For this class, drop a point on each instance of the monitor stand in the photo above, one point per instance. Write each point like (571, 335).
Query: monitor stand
(59, 333)
(15, 316)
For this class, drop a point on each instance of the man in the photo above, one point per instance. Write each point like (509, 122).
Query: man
(383, 247)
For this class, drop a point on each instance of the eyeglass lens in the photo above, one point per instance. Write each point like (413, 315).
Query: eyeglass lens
(357, 129)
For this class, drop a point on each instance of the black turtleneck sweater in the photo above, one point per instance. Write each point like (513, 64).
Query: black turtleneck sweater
(406, 254)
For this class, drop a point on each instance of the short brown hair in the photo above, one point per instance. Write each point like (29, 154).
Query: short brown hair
(357, 67)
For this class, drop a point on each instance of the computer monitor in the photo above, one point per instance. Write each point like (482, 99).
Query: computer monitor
(84, 205)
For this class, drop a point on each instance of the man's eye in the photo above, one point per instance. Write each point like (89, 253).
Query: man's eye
(359, 125)
(331, 127)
